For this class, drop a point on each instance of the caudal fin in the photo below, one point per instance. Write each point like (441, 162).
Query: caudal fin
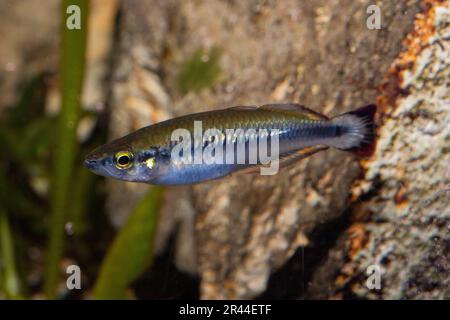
(355, 131)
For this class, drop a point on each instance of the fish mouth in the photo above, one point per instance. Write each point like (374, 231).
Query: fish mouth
(94, 164)
(91, 164)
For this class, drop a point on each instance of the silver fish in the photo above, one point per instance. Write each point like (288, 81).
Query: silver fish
(148, 155)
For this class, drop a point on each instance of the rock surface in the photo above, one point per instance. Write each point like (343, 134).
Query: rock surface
(402, 220)
(320, 54)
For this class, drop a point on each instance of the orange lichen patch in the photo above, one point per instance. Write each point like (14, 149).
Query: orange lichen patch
(341, 280)
(365, 162)
(360, 186)
(414, 43)
(400, 197)
(417, 40)
(358, 236)
(230, 288)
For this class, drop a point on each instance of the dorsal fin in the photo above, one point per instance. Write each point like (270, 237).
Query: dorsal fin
(294, 108)
(244, 107)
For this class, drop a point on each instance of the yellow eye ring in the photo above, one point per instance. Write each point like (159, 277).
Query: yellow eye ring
(123, 159)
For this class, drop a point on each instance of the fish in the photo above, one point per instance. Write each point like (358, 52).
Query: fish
(179, 151)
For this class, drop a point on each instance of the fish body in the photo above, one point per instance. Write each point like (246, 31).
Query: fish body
(148, 155)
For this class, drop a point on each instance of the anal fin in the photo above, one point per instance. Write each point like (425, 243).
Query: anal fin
(288, 159)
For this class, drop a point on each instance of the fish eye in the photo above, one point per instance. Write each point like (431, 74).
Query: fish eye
(123, 159)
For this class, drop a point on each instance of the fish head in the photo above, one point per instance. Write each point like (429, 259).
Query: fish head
(123, 162)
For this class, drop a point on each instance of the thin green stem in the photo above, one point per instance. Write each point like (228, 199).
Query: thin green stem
(11, 282)
(73, 45)
(80, 195)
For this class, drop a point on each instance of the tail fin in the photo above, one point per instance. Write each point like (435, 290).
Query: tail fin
(355, 131)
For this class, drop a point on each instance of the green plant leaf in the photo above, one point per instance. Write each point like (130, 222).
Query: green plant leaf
(73, 50)
(10, 278)
(132, 250)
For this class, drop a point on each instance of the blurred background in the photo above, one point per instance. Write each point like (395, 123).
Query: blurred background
(75, 77)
